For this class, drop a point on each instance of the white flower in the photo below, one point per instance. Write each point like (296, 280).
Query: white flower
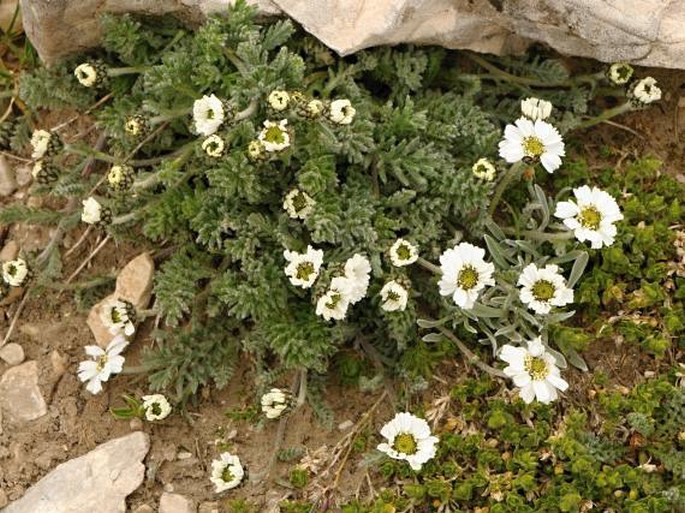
(394, 297)
(355, 283)
(227, 472)
(332, 305)
(40, 140)
(541, 289)
(408, 438)
(87, 74)
(208, 114)
(645, 91)
(591, 216)
(255, 150)
(92, 211)
(275, 402)
(403, 253)
(278, 100)
(303, 268)
(118, 316)
(136, 125)
(14, 272)
(315, 108)
(298, 204)
(464, 274)
(120, 177)
(104, 363)
(534, 371)
(484, 169)
(274, 136)
(537, 140)
(535, 108)
(342, 112)
(213, 146)
(156, 407)
(620, 73)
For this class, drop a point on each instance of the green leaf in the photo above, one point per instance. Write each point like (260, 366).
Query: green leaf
(577, 269)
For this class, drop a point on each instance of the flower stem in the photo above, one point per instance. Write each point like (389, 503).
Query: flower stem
(530, 234)
(513, 172)
(470, 356)
(427, 265)
(605, 116)
(130, 70)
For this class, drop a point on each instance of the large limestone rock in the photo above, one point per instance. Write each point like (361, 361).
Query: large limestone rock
(647, 32)
(98, 481)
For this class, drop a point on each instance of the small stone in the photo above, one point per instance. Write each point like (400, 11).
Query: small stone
(135, 424)
(175, 503)
(12, 354)
(59, 362)
(24, 176)
(3, 499)
(10, 251)
(209, 507)
(344, 426)
(20, 396)
(8, 179)
(183, 455)
(144, 509)
(168, 487)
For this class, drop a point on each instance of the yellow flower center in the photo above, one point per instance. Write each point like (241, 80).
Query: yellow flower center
(590, 217)
(11, 269)
(274, 135)
(335, 299)
(533, 146)
(543, 290)
(403, 252)
(116, 315)
(405, 443)
(101, 362)
(156, 409)
(299, 201)
(536, 367)
(467, 277)
(304, 270)
(392, 296)
(210, 114)
(227, 476)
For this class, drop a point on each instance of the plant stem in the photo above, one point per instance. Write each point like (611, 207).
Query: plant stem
(513, 172)
(129, 70)
(530, 234)
(605, 116)
(427, 265)
(470, 356)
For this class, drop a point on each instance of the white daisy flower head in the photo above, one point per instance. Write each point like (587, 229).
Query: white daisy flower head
(213, 146)
(44, 144)
(136, 126)
(620, 73)
(303, 268)
(256, 151)
(298, 204)
(535, 108)
(484, 169)
(394, 297)
(591, 216)
(543, 288)
(276, 402)
(156, 407)
(119, 315)
(103, 364)
(534, 371)
(332, 305)
(90, 74)
(357, 278)
(403, 253)
(532, 141)
(227, 472)
(408, 438)
(15, 272)
(644, 91)
(278, 100)
(342, 112)
(92, 211)
(208, 114)
(315, 108)
(274, 136)
(120, 177)
(465, 273)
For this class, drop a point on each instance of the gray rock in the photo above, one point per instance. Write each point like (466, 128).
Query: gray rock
(20, 397)
(24, 176)
(97, 481)
(8, 178)
(12, 354)
(175, 503)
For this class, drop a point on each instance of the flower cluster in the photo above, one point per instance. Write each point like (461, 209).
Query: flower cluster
(45, 146)
(345, 290)
(275, 403)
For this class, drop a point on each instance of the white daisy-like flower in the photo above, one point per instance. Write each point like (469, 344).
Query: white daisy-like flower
(591, 216)
(213, 146)
(274, 136)
(534, 371)
(227, 472)
(355, 283)
(120, 177)
(408, 438)
(484, 169)
(620, 73)
(403, 253)
(104, 363)
(464, 274)
(303, 268)
(541, 289)
(255, 150)
(537, 140)
(279, 100)
(298, 204)
(645, 91)
(315, 108)
(275, 402)
(208, 114)
(118, 316)
(87, 74)
(92, 211)
(342, 112)
(535, 108)
(332, 305)
(15, 272)
(394, 297)
(156, 407)
(40, 141)
(136, 125)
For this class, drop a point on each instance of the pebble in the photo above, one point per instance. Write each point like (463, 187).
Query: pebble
(209, 507)
(344, 426)
(12, 354)
(8, 178)
(3, 499)
(184, 455)
(135, 424)
(10, 251)
(24, 176)
(59, 362)
(144, 509)
(20, 396)
(175, 503)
